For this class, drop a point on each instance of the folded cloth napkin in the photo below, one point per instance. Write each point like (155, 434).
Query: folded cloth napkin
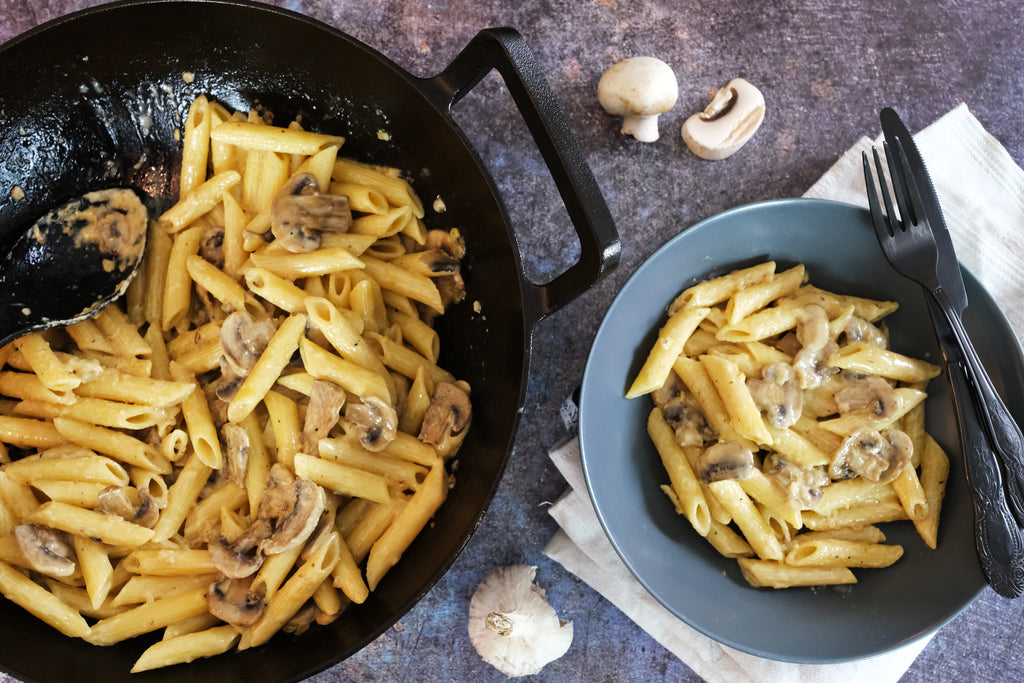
(982, 194)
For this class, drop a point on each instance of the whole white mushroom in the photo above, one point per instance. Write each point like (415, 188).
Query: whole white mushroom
(638, 89)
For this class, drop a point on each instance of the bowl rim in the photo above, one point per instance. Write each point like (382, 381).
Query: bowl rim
(588, 451)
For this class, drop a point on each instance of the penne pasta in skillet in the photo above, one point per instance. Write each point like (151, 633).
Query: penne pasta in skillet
(257, 438)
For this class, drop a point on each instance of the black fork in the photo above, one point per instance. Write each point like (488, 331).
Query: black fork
(908, 244)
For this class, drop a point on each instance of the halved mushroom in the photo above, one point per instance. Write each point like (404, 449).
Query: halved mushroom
(46, 550)
(322, 413)
(869, 393)
(448, 412)
(373, 421)
(875, 456)
(682, 413)
(299, 212)
(232, 601)
(725, 460)
(244, 338)
(778, 394)
(114, 501)
(802, 484)
(727, 123)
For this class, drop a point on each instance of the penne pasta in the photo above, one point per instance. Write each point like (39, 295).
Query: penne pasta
(246, 365)
(781, 406)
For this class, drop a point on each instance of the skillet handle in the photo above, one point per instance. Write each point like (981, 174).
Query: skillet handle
(505, 50)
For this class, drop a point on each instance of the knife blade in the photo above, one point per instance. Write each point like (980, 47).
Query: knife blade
(1006, 436)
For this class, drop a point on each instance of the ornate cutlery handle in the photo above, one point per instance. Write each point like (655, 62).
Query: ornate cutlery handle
(997, 537)
(1007, 440)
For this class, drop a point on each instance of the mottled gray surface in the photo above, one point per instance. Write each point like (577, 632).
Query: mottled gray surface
(825, 69)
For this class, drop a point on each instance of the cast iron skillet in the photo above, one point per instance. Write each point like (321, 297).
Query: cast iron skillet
(94, 99)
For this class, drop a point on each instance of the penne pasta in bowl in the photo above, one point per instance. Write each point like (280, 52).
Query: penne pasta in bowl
(769, 438)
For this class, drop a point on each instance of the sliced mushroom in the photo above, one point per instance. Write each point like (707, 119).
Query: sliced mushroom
(300, 622)
(452, 288)
(450, 285)
(236, 453)
(725, 460)
(435, 262)
(802, 484)
(373, 421)
(292, 507)
(114, 501)
(322, 413)
(241, 557)
(448, 412)
(46, 550)
(871, 394)
(232, 601)
(321, 534)
(778, 394)
(683, 414)
(812, 329)
(817, 347)
(671, 389)
(211, 246)
(789, 344)
(450, 242)
(859, 329)
(244, 339)
(287, 515)
(875, 456)
(299, 212)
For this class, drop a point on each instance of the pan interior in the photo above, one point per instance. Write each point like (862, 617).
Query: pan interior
(99, 99)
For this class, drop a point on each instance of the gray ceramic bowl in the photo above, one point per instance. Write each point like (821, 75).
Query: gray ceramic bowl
(886, 608)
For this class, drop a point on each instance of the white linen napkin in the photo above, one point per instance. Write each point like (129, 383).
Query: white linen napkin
(981, 190)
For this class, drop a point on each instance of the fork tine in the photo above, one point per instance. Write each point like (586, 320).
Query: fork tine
(882, 229)
(899, 174)
(907, 179)
(894, 223)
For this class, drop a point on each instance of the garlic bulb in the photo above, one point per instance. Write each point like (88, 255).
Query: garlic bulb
(512, 626)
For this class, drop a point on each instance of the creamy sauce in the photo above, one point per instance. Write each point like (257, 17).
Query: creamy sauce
(114, 221)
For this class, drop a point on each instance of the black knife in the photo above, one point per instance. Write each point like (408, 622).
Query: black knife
(1004, 432)
(998, 539)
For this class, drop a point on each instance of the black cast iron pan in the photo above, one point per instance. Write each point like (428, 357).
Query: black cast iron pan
(93, 100)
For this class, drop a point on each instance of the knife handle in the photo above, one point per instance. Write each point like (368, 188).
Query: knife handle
(997, 537)
(1007, 440)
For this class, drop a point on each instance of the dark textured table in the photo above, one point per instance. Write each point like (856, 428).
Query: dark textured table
(825, 69)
